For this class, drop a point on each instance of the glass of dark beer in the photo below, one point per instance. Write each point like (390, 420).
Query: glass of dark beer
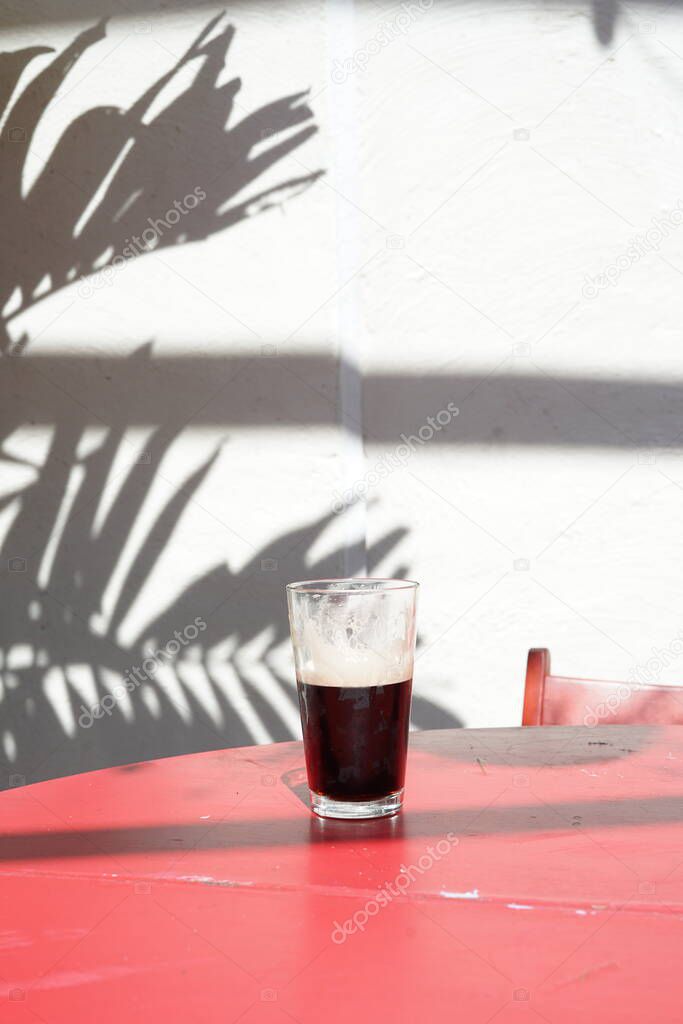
(354, 645)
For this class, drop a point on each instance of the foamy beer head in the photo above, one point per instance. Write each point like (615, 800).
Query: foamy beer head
(352, 632)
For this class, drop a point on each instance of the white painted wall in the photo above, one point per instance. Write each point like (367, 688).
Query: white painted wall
(480, 160)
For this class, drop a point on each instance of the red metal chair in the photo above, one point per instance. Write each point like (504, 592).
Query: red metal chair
(559, 700)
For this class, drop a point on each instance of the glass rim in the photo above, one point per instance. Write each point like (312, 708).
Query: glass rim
(324, 586)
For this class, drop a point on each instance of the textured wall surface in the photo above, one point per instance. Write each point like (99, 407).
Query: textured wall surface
(422, 319)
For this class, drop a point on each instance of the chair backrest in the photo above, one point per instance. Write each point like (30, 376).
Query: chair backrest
(558, 700)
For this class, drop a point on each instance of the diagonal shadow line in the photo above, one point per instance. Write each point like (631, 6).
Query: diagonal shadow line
(523, 819)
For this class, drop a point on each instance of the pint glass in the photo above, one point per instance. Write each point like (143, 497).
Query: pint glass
(354, 644)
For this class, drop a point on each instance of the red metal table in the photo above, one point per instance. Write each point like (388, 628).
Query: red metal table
(201, 888)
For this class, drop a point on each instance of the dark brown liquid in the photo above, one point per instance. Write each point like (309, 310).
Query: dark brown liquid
(355, 738)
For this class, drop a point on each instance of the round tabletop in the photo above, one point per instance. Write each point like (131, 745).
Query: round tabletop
(534, 874)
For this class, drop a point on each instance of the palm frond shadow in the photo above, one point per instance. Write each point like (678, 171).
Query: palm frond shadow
(112, 174)
(117, 186)
(63, 556)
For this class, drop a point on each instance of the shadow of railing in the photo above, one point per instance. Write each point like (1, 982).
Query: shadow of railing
(301, 390)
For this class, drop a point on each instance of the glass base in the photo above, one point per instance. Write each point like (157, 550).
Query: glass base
(327, 807)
